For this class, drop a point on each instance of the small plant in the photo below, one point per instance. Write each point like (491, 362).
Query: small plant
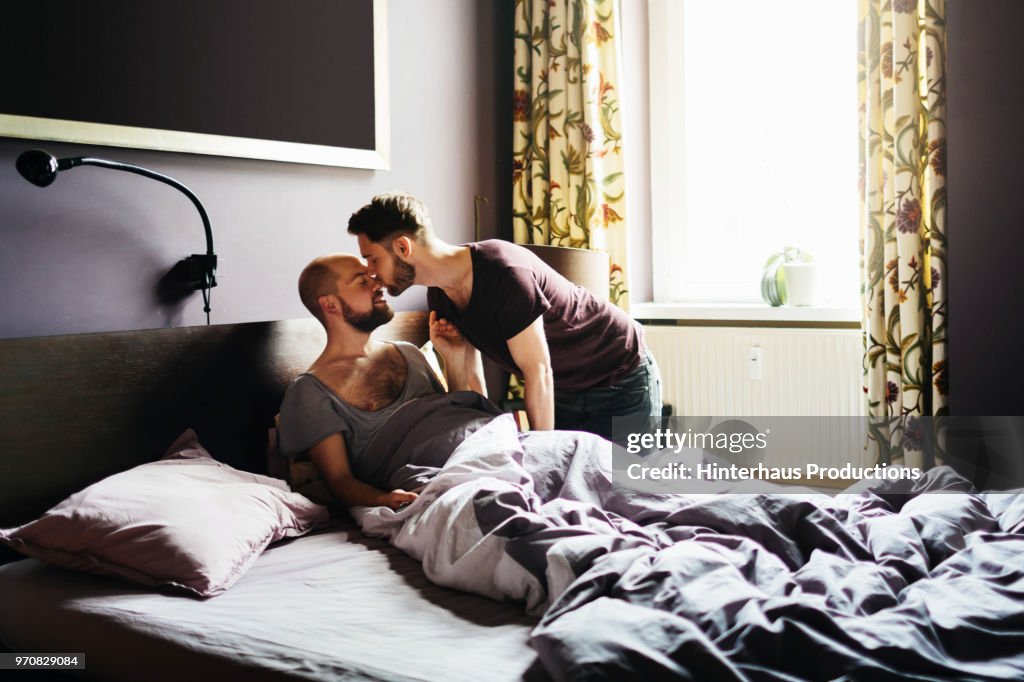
(773, 277)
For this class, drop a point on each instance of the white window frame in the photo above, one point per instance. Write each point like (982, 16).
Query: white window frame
(668, 191)
(666, 66)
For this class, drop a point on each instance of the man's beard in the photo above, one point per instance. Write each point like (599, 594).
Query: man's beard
(367, 322)
(405, 276)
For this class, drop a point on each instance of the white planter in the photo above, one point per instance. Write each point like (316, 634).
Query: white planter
(801, 283)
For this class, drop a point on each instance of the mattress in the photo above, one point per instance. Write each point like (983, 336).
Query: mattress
(334, 605)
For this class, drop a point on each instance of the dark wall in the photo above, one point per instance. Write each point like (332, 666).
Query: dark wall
(985, 236)
(985, 130)
(85, 254)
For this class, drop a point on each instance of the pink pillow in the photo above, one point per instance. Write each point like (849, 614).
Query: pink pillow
(187, 521)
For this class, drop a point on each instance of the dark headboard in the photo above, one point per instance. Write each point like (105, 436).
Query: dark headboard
(76, 408)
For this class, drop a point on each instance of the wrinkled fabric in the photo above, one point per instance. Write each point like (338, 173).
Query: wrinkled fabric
(875, 585)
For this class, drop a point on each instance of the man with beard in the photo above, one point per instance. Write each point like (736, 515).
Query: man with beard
(582, 359)
(351, 409)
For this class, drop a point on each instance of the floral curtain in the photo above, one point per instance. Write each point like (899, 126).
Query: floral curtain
(568, 170)
(902, 55)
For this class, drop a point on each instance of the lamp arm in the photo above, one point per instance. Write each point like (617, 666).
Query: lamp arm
(65, 164)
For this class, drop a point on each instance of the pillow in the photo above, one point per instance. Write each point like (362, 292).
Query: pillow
(186, 521)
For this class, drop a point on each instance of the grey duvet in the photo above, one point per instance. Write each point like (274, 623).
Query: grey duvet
(884, 584)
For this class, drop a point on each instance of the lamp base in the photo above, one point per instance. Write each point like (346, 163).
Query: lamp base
(195, 273)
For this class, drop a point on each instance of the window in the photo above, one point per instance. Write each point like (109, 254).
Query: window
(753, 145)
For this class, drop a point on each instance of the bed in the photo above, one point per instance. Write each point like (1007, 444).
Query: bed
(333, 604)
(922, 579)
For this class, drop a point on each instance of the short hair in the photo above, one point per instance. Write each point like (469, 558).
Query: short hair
(317, 279)
(390, 215)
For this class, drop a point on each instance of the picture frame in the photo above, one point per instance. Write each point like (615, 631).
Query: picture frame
(31, 116)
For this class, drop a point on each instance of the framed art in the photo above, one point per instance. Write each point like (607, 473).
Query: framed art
(301, 82)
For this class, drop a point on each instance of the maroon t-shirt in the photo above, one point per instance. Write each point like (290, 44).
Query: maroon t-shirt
(592, 342)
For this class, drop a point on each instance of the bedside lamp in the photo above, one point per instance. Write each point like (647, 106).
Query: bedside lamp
(196, 272)
(588, 269)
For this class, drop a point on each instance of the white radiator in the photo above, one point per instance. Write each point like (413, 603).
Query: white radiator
(706, 371)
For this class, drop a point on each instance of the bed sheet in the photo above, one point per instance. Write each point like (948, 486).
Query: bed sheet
(902, 579)
(334, 605)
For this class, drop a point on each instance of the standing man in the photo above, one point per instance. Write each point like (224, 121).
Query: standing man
(582, 359)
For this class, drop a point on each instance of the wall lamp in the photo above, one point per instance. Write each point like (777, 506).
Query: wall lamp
(196, 272)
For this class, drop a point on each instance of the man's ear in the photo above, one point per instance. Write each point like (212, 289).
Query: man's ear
(402, 246)
(328, 304)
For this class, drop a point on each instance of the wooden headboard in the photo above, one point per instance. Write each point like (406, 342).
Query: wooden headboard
(76, 408)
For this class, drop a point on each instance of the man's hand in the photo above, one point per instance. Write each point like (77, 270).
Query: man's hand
(447, 339)
(462, 366)
(397, 498)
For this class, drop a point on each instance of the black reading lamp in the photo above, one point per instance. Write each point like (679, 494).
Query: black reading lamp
(196, 272)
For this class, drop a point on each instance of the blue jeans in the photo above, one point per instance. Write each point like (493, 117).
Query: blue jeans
(637, 394)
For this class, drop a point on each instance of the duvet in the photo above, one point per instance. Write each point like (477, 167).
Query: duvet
(915, 580)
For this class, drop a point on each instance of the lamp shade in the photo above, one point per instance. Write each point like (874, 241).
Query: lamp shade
(38, 167)
(588, 269)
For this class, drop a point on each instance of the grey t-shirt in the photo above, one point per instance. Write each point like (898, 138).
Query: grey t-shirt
(399, 446)
(311, 411)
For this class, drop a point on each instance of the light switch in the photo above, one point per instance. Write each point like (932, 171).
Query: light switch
(754, 362)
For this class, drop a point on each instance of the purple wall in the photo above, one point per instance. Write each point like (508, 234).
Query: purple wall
(986, 227)
(84, 255)
(985, 241)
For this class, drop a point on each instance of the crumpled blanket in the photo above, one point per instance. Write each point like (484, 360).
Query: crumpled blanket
(912, 580)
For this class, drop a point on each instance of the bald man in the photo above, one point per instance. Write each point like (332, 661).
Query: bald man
(372, 415)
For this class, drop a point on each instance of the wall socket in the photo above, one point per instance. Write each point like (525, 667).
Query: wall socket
(754, 362)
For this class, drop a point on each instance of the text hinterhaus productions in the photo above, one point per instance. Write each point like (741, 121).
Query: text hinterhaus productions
(710, 471)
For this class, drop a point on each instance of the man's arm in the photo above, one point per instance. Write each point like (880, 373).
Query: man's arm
(331, 459)
(463, 367)
(475, 370)
(529, 349)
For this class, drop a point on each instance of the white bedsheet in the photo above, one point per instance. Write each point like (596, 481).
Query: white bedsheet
(329, 606)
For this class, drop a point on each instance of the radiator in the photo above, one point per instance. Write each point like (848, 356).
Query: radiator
(706, 371)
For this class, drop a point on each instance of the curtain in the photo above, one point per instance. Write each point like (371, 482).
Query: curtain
(902, 55)
(568, 170)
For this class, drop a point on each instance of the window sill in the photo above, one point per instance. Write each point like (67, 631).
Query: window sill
(747, 312)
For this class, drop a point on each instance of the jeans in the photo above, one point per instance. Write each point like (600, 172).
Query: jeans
(638, 393)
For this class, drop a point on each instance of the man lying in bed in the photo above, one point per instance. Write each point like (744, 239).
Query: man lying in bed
(372, 415)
